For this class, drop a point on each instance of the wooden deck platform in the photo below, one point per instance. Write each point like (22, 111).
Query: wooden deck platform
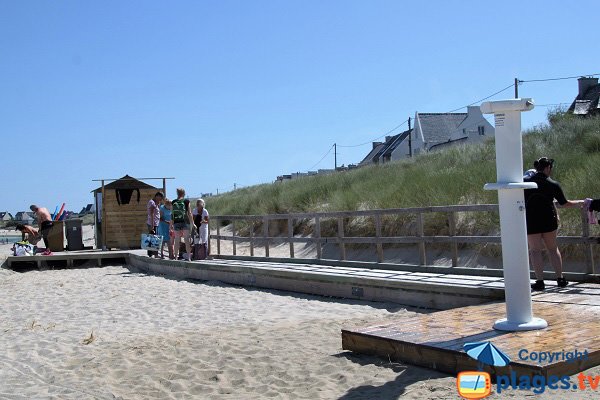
(436, 340)
(67, 258)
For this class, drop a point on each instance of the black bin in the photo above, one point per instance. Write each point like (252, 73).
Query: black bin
(74, 233)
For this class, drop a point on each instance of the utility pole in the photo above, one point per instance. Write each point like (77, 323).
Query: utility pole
(516, 88)
(335, 156)
(217, 191)
(409, 139)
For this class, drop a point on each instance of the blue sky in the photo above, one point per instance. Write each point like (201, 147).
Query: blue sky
(221, 92)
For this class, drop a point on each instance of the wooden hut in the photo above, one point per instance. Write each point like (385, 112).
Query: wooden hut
(121, 213)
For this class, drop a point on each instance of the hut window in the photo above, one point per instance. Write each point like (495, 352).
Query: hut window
(124, 195)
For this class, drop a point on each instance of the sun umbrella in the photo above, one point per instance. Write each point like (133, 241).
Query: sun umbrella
(486, 353)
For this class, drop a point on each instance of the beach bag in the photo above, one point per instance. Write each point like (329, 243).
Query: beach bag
(200, 251)
(151, 242)
(21, 249)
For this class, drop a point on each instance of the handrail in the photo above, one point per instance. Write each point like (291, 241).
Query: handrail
(420, 239)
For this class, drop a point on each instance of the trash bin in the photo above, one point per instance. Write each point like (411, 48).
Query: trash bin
(56, 236)
(74, 230)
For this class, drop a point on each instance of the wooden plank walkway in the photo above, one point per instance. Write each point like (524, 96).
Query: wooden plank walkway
(419, 289)
(67, 258)
(436, 340)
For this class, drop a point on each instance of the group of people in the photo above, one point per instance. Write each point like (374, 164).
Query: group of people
(176, 220)
(44, 222)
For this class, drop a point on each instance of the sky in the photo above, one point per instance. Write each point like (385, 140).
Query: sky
(224, 93)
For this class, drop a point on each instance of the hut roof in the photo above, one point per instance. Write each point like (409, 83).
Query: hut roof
(126, 182)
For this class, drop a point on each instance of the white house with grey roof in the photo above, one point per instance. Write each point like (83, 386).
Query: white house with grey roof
(432, 131)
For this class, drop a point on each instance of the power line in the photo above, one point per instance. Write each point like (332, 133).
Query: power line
(480, 100)
(555, 79)
(322, 158)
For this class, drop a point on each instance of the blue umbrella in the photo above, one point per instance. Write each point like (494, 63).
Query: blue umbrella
(486, 353)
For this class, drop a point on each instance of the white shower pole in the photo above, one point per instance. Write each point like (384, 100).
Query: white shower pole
(511, 201)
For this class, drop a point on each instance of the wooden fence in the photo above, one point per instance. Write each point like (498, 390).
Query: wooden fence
(420, 239)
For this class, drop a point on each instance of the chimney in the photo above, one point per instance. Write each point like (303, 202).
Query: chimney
(387, 139)
(585, 83)
(375, 144)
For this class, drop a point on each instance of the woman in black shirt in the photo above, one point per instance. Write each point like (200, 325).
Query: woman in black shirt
(542, 221)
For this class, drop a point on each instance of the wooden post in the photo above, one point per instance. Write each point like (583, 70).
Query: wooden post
(588, 252)
(218, 236)
(341, 243)
(420, 233)
(252, 238)
(452, 232)
(378, 238)
(233, 237)
(266, 235)
(318, 237)
(291, 236)
(164, 186)
(103, 218)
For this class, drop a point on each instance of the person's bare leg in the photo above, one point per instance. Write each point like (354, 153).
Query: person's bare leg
(177, 240)
(171, 244)
(535, 253)
(551, 244)
(188, 246)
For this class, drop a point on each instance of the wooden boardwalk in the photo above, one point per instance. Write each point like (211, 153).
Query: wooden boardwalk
(436, 340)
(68, 259)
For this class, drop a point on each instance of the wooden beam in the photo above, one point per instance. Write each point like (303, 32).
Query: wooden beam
(420, 233)
(452, 232)
(290, 226)
(378, 238)
(317, 234)
(341, 244)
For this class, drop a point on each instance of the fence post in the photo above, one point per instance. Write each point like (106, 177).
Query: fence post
(218, 236)
(266, 235)
(588, 252)
(233, 237)
(378, 238)
(341, 243)
(318, 236)
(251, 238)
(291, 236)
(420, 233)
(452, 232)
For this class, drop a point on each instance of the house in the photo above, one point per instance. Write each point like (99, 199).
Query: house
(382, 151)
(6, 216)
(435, 131)
(432, 131)
(89, 209)
(373, 156)
(26, 217)
(586, 102)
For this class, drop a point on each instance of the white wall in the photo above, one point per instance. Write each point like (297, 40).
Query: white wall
(470, 127)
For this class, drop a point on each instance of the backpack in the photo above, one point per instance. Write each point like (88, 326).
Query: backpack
(178, 212)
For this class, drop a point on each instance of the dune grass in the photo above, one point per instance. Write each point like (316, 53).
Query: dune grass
(453, 176)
